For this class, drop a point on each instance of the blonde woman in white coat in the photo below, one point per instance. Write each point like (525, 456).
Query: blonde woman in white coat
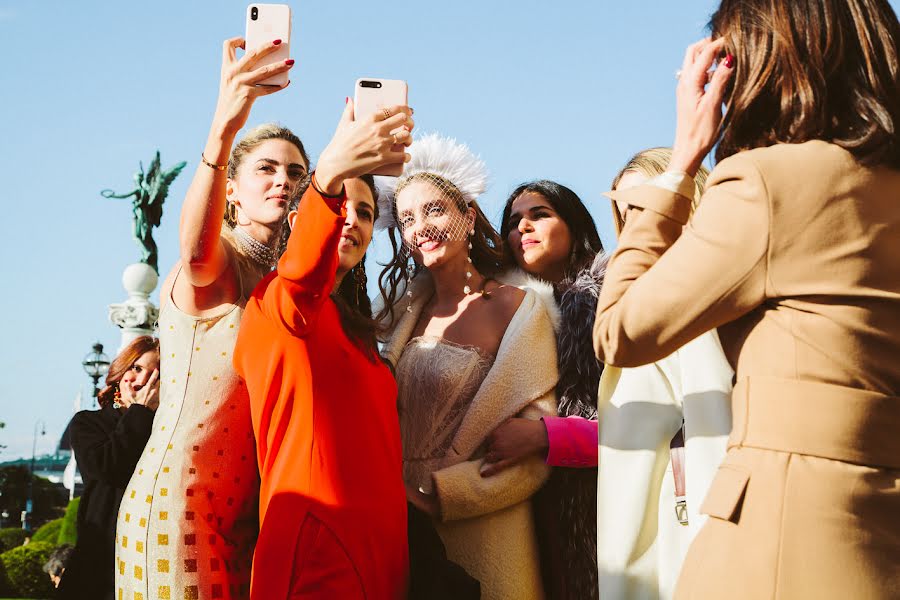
(469, 352)
(648, 493)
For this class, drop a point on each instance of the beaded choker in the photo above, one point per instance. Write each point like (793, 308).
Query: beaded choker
(256, 250)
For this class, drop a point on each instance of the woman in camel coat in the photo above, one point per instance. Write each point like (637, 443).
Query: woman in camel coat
(794, 255)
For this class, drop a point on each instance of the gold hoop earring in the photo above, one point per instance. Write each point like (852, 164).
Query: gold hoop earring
(237, 217)
(117, 398)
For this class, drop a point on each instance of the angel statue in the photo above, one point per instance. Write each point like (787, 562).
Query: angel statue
(147, 203)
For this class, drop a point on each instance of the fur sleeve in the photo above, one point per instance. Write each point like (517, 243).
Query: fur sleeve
(463, 493)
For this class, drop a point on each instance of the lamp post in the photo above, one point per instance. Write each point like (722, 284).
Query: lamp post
(26, 517)
(96, 364)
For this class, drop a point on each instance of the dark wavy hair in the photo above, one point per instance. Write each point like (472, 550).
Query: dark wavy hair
(124, 361)
(812, 70)
(586, 242)
(352, 298)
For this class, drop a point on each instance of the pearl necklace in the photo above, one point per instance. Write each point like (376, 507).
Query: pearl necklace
(256, 250)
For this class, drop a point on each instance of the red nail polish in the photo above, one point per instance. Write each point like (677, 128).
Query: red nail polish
(289, 62)
(729, 61)
(346, 99)
(276, 42)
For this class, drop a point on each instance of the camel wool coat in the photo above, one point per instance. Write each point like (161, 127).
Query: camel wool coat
(794, 255)
(487, 523)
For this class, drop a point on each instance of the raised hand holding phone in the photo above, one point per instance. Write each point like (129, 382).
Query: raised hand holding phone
(238, 87)
(365, 145)
(371, 97)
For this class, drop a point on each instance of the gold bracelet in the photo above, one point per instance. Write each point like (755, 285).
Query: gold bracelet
(213, 166)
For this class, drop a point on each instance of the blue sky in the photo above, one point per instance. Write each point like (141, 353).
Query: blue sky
(565, 91)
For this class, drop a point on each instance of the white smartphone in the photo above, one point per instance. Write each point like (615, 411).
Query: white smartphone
(265, 24)
(372, 95)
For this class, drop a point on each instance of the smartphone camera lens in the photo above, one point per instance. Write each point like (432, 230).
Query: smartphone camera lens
(370, 84)
(254, 13)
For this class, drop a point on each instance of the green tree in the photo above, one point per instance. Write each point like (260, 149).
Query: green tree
(49, 499)
(10, 537)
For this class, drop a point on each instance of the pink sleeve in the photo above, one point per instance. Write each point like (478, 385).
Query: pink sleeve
(573, 441)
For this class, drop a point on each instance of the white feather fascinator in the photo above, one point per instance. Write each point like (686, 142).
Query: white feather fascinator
(436, 155)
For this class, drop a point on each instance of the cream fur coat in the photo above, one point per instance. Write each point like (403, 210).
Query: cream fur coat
(487, 523)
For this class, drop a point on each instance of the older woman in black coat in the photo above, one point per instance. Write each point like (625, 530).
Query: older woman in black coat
(107, 445)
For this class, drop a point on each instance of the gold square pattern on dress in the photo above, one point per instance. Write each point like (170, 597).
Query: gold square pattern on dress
(138, 596)
(162, 539)
(139, 546)
(164, 593)
(138, 572)
(162, 565)
(191, 592)
(142, 522)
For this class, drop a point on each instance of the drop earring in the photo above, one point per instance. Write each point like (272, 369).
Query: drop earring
(466, 288)
(409, 294)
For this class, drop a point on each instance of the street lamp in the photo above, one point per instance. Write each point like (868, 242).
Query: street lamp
(26, 516)
(96, 364)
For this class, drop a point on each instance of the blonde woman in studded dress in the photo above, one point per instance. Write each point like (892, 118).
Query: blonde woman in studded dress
(188, 521)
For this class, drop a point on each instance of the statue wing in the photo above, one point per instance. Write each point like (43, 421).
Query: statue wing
(159, 188)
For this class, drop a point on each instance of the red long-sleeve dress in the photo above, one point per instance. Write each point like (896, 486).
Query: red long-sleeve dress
(332, 503)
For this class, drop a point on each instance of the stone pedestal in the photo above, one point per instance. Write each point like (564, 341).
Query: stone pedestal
(137, 315)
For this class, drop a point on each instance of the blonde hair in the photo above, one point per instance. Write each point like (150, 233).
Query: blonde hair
(650, 163)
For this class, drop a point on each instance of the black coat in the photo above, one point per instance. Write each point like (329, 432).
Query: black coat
(107, 446)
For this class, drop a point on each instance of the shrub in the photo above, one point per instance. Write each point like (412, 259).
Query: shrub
(10, 537)
(48, 532)
(68, 533)
(5, 587)
(25, 572)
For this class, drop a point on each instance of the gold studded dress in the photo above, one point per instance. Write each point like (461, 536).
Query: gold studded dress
(188, 521)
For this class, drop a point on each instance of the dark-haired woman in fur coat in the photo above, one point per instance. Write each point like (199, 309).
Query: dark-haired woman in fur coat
(549, 234)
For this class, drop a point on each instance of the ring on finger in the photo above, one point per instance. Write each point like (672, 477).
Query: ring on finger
(387, 113)
(395, 138)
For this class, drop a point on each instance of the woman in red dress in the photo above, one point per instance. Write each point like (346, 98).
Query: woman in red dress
(332, 499)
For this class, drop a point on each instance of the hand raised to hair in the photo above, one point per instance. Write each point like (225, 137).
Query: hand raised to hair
(237, 87)
(360, 147)
(699, 98)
